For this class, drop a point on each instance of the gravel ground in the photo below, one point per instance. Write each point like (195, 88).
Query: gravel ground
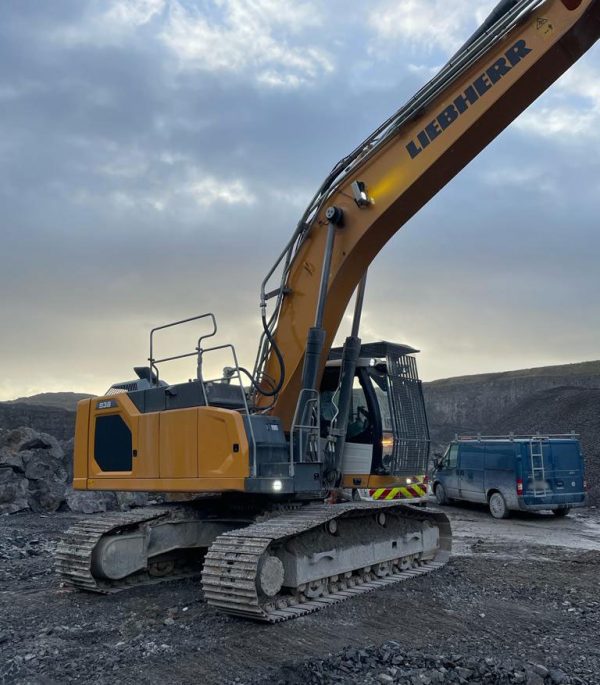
(509, 608)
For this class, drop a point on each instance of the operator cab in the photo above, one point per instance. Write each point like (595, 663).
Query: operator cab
(387, 432)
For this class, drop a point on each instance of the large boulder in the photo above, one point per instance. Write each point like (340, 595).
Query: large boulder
(14, 491)
(46, 496)
(33, 471)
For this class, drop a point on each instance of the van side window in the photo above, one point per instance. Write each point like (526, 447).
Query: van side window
(452, 459)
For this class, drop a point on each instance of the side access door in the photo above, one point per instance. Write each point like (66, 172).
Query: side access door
(471, 466)
(447, 473)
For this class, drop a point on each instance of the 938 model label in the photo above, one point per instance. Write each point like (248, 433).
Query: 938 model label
(106, 404)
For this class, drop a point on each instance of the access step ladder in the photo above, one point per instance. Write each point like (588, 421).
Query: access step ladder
(538, 468)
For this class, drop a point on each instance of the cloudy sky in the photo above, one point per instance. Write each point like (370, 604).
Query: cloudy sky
(155, 156)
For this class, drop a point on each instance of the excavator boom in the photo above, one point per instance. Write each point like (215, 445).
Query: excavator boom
(520, 51)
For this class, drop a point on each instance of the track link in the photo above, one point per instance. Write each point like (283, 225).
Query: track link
(232, 565)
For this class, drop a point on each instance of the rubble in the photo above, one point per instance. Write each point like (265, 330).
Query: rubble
(36, 474)
(390, 664)
(502, 614)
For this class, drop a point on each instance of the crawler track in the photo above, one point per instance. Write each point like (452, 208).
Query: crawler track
(234, 572)
(74, 552)
(232, 564)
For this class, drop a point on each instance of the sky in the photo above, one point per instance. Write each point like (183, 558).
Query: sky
(155, 156)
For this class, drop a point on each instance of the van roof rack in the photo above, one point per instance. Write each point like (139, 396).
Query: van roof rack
(516, 436)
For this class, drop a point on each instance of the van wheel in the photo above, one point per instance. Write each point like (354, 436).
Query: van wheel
(440, 494)
(498, 508)
(563, 511)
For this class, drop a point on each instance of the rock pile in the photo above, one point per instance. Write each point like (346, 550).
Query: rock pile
(389, 665)
(36, 472)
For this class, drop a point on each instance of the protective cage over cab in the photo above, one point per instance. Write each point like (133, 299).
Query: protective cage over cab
(388, 433)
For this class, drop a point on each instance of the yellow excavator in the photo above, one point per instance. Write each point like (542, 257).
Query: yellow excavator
(261, 459)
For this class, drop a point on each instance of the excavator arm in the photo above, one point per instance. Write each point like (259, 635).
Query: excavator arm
(522, 49)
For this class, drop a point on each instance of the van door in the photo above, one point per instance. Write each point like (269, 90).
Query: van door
(564, 474)
(503, 467)
(554, 473)
(470, 471)
(447, 474)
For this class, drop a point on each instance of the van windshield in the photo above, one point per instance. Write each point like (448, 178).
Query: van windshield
(451, 458)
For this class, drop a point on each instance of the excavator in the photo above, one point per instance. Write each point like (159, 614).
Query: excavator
(253, 466)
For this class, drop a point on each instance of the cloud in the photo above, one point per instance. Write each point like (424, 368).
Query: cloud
(207, 190)
(133, 12)
(570, 111)
(252, 37)
(105, 23)
(268, 41)
(427, 25)
(536, 179)
(155, 156)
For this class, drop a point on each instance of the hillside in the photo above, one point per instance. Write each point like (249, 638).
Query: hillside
(55, 421)
(63, 400)
(474, 403)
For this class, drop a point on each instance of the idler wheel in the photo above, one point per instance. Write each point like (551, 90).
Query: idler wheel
(270, 576)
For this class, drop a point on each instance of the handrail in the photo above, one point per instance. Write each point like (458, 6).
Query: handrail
(154, 362)
(514, 436)
(309, 404)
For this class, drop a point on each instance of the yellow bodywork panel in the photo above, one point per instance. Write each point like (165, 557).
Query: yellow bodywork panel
(179, 443)
(201, 449)
(219, 431)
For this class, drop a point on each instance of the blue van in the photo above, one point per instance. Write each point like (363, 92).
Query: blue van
(513, 473)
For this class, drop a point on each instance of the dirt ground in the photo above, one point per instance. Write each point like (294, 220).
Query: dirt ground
(524, 589)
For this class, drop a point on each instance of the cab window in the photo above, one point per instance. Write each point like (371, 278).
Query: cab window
(359, 418)
(360, 421)
(379, 379)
